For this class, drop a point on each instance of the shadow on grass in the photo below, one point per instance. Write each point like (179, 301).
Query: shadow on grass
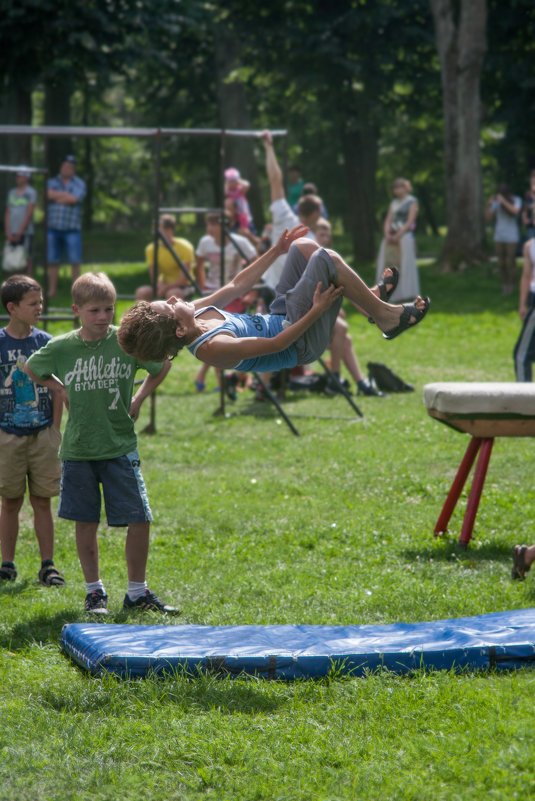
(190, 693)
(14, 587)
(499, 552)
(43, 628)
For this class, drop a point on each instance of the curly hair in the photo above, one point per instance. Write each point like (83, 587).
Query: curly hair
(148, 335)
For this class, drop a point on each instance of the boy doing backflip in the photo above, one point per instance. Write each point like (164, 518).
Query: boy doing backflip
(94, 379)
(298, 329)
(29, 431)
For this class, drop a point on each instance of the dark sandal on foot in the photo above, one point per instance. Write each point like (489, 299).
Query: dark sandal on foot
(384, 293)
(409, 310)
(49, 576)
(520, 568)
(8, 573)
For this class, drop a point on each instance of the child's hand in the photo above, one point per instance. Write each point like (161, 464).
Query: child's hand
(61, 394)
(324, 300)
(287, 237)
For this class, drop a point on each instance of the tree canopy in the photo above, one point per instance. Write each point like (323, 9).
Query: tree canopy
(356, 83)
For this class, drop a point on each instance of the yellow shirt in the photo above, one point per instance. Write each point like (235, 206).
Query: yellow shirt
(168, 270)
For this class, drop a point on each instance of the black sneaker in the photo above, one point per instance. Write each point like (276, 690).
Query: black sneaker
(367, 387)
(149, 603)
(96, 602)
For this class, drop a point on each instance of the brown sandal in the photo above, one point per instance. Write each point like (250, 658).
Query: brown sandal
(520, 568)
(49, 576)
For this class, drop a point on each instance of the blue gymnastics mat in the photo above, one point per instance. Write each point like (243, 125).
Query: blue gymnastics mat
(503, 640)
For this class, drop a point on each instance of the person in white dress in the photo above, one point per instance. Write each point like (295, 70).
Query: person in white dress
(398, 246)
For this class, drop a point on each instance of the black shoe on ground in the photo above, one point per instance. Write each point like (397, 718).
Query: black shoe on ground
(149, 603)
(367, 387)
(336, 387)
(8, 571)
(96, 603)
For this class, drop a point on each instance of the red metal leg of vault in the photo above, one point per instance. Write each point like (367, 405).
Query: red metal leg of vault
(477, 488)
(457, 486)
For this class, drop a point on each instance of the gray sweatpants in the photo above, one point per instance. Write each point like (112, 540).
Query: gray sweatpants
(294, 295)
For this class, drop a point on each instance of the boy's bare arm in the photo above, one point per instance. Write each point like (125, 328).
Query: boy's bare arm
(147, 388)
(200, 272)
(57, 409)
(53, 384)
(251, 275)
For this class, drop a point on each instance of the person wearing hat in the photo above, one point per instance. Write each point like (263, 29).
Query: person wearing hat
(18, 217)
(236, 188)
(65, 194)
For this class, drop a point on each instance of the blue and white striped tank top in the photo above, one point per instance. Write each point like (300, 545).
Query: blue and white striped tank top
(250, 325)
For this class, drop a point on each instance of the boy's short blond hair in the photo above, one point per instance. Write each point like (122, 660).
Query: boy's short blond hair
(93, 287)
(167, 221)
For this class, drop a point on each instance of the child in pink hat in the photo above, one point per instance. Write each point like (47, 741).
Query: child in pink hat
(236, 188)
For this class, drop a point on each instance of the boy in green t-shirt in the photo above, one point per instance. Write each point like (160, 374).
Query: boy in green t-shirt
(95, 378)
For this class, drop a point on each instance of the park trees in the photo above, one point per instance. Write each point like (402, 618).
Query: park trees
(357, 84)
(461, 43)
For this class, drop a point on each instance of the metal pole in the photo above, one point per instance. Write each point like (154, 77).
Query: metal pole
(221, 409)
(45, 231)
(274, 400)
(151, 427)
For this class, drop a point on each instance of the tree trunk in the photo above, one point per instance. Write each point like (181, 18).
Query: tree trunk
(57, 112)
(234, 113)
(461, 43)
(87, 165)
(359, 146)
(15, 109)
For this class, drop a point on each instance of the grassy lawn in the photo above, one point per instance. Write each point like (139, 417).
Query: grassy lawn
(255, 525)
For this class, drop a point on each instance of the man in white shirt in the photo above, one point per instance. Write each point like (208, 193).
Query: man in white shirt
(209, 253)
(308, 209)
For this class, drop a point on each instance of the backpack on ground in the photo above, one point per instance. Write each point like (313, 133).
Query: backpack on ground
(386, 380)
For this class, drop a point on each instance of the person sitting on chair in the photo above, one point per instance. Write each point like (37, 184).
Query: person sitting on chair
(172, 280)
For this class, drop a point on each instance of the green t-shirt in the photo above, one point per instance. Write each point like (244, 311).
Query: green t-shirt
(99, 379)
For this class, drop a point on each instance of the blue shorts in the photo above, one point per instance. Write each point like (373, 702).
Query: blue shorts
(125, 495)
(60, 241)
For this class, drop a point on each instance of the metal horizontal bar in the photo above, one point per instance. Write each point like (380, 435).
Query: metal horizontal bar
(65, 130)
(188, 210)
(8, 168)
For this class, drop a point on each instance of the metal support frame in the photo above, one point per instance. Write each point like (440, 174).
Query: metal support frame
(483, 446)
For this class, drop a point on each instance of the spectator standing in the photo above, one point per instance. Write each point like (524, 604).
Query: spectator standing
(29, 431)
(65, 194)
(505, 207)
(398, 246)
(528, 208)
(524, 350)
(18, 218)
(94, 379)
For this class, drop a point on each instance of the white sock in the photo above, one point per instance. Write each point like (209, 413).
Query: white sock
(136, 589)
(91, 586)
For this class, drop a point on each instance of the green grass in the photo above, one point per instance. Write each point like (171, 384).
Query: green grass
(254, 525)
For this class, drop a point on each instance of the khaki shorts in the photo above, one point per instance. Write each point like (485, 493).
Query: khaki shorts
(34, 456)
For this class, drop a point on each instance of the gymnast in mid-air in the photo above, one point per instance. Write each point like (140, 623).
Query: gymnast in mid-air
(296, 331)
